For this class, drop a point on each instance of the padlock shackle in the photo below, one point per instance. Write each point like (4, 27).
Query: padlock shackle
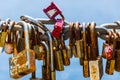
(51, 50)
(31, 20)
(47, 55)
(24, 25)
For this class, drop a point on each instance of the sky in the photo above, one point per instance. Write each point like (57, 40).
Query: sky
(100, 11)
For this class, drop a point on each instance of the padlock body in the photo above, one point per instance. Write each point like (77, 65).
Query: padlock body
(96, 69)
(110, 65)
(22, 64)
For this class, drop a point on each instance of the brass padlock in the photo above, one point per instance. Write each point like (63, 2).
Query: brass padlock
(110, 64)
(96, 69)
(71, 46)
(24, 61)
(85, 55)
(58, 56)
(66, 59)
(79, 40)
(94, 42)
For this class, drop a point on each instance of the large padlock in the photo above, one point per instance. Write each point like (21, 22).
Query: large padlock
(85, 55)
(66, 59)
(52, 11)
(24, 62)
(58, 56)
(96, 68)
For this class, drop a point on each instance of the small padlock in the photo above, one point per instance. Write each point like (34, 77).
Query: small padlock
(79, 40)
(66, 59)
(110, 64)
(71, 47)
(52, 11)
(94, 42)
(58, 56)
(58, 28)
(37, 46)
(85, 55)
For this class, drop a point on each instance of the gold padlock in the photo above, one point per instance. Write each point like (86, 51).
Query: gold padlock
(85, 55)
(96, 69)
(66, 59)
(24, 61)
(58, 56)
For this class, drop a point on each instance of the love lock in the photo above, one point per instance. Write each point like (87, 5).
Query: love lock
(52, 11)
(58, 28)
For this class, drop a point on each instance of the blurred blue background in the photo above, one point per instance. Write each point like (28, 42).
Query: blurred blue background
(100, 11)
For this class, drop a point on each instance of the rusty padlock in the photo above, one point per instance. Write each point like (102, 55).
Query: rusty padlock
(24, 62)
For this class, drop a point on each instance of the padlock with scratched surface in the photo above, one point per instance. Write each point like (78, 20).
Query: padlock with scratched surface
(24, 62)
(95, 62)
(110, 64)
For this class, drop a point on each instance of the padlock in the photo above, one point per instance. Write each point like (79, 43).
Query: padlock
(71, 47)
(110, 64)
(66, 59)
(79, 40)
(38, 48)
(52, 11)
(94, 42)
(58, 27)
(14, 73)
(117, 55)
(46, 74)
(58, 56)
(21, 42)
(85, 55)
(96, 68)
(9, 46)
(24, 61)
(107, 51)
